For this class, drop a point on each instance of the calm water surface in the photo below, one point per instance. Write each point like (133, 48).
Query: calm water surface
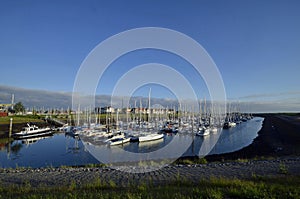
(60, 149)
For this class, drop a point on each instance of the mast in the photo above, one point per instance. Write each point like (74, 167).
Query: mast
(78, 115)
(12, 101)
(140, 114)
(117, 123)
(149, 105)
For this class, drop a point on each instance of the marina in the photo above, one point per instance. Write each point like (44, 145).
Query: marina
(150, 99)
(64, 149)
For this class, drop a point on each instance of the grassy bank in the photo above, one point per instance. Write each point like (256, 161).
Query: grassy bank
(17, 119)
(257, 187)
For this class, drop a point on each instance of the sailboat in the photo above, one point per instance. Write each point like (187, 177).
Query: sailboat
(119, 141)
(204, 128)
(212, 123)
(148, 136)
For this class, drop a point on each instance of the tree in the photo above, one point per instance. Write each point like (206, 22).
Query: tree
(19, 107)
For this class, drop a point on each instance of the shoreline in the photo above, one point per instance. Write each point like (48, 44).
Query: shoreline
(279, 136)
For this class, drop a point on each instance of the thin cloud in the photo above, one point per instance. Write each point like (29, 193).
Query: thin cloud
(272, 102)
(264, 95)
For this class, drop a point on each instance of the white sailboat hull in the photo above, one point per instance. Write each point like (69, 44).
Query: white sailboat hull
(150, 137)
(119, 141)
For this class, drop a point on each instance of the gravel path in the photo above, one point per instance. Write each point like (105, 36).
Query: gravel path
(168, 174)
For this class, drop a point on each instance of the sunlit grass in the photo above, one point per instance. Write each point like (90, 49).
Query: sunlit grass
(257, 187)
(21, 119)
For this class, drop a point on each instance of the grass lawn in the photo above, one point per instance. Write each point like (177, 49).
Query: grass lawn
(21, 119)
(257, 187)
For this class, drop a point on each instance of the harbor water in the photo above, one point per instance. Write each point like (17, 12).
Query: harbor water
(63, 150)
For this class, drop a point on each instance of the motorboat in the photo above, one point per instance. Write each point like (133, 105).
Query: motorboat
(31, 130)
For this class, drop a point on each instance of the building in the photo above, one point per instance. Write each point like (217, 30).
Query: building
(4, 109)
(107, 109)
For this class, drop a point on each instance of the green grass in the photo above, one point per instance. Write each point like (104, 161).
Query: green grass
(194, 160)
(21, 119)
(283, 169)
(85, 166)
(257, 187)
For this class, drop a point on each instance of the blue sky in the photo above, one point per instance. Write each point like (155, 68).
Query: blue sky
(255, 44)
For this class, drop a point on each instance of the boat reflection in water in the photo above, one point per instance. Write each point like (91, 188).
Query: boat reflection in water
(144, 147)
(152, 143)
(72, 143)
(29, 141)
(15, 146)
